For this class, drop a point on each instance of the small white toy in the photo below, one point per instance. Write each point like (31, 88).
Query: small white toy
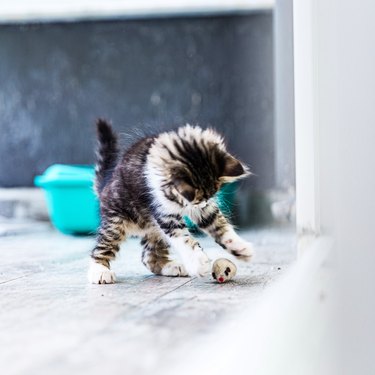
(223, 270)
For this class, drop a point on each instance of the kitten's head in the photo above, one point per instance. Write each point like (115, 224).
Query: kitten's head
(197, 164)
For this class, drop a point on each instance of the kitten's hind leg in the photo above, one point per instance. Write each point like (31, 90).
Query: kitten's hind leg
(155, 256)
(110, 234)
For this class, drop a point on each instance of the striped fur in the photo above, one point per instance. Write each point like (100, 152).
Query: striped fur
(147, 191)
(106, 153)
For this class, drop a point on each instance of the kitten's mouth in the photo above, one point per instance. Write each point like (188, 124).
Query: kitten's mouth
(202, 204)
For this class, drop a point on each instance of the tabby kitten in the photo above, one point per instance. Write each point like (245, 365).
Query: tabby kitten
(148, 190)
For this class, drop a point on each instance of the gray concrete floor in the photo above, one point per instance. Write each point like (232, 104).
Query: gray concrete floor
(53, 322)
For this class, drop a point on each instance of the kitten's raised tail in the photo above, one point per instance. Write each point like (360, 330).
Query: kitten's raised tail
(106, 153)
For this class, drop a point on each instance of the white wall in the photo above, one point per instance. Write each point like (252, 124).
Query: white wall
(335, 134)
(355, 84)
(47, 10)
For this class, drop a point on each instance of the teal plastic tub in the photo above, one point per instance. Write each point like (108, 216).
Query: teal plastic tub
(73, 206)
(71, 201)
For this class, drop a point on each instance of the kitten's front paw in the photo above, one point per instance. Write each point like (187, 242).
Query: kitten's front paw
(241, 249)
(204, 268)
(199, 264)
(100, 274)
(174, 268)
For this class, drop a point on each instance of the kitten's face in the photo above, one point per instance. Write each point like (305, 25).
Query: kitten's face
(202, 175)
(193, 191)
(190, 165)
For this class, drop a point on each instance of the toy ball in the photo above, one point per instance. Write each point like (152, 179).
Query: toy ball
(223, 270)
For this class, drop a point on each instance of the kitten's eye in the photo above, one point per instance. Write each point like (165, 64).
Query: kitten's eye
(227, 271)
(213, 275)
(199, 196)
(185, 189)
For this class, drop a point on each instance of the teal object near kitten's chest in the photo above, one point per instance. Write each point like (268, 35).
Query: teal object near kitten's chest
(74, 208)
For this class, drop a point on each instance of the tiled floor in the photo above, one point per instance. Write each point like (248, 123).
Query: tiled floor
(53, 322)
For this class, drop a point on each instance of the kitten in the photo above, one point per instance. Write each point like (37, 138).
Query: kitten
(148, 190)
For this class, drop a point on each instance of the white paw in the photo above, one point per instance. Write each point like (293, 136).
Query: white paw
(100, 274)
(198, 264)
(240, 249)
(174, 268)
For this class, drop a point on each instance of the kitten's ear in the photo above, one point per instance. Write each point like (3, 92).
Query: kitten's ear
(185, 189)
(233, 169)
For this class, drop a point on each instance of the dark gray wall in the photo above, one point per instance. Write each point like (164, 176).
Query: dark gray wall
(147, 73)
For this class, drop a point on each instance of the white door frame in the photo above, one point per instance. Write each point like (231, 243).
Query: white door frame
(306, 119)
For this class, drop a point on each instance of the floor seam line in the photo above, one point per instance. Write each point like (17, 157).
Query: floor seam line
(170, 291)
(17, 278)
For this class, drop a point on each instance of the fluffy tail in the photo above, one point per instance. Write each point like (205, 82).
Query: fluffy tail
(106, 153)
